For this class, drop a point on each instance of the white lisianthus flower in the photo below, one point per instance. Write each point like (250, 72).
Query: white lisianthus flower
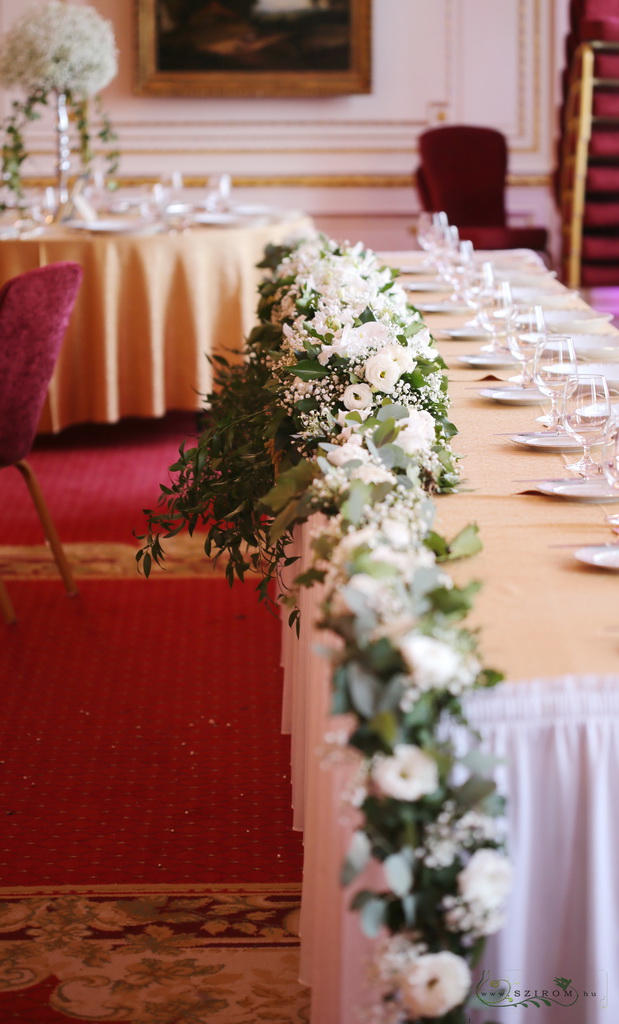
(486, 880)
(371, 474)
(382, 371)
(357, 396)
(432, 663)
(424, 346)
(376, 593)
(408, 774)
(402, 356)
(417, 432)
(347, 452)
(373, 333)
(434, 984)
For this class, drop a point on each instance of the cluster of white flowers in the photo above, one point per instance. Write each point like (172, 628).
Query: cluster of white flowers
(483, 885)
(367, 406)
(422, 984)
(59, 47)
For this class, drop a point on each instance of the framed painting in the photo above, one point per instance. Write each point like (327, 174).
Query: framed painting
(252, 47)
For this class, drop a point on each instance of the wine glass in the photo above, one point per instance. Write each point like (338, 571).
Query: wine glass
(522, 341)
(585, 414)
(429, 226)
(554, 361)
(497, 314)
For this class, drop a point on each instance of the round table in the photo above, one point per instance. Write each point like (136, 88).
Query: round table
(150, 309)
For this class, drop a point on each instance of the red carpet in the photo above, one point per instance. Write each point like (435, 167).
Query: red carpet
(139, 730)
(96, 479)
(139, 723)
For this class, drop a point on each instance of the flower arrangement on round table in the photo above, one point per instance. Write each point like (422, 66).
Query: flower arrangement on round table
(341, 409)
(59, 50)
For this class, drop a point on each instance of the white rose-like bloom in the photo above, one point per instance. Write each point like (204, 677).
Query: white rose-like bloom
(59, 46)
(408, 774)
(373, 333)
(396, 532)
(402, 356)
(432, 663)
(486, 880)
(371, 474)
(417, 433)
(382, 371)
(347, 452)
(357, 396)
(434, 984)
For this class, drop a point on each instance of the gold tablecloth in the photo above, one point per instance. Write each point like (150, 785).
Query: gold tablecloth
(149, 310)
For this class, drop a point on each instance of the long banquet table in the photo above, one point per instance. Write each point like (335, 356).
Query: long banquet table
(551, 625)
(150, 309)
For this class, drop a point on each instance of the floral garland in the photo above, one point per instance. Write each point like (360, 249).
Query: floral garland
(59, 48)
(351, 405)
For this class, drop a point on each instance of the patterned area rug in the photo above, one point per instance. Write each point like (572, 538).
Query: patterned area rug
(183, 955)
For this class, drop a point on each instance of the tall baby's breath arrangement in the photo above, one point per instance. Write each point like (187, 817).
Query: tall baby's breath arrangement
(56, 50)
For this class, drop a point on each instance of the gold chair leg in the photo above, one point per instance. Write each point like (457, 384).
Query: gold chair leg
(6, 605)
(46, 521)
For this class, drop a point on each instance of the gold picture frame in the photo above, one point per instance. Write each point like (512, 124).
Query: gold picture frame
(283, 48)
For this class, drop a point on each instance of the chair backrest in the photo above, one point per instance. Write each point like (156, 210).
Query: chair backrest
(34, 313)
(463, 173)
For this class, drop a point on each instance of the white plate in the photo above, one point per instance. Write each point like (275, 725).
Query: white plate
(114, 226)
(562, 300)
(426, 286)
(217, 218)
(604, 556)
(547, 441)
(410, 268)
(608, 370)
(513, 396)
(441, 307)
(592, 489)
(487, 360)
(253, 210)
(571, 321)
(465, 333)
(532, 279)
(603, 348)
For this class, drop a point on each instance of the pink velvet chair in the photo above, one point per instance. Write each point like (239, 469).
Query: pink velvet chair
(463, 172)
(34, 313)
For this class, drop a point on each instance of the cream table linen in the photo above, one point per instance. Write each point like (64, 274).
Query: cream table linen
(552, 625)
(149, 310)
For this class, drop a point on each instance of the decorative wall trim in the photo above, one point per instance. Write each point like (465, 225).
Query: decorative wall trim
(306, 181)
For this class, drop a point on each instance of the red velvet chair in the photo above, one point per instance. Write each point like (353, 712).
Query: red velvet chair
(34, 313)
(463, 172)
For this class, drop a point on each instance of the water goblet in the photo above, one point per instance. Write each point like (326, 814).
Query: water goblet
(528, 330)
(553, 362)
(497, 314)
(585, 414)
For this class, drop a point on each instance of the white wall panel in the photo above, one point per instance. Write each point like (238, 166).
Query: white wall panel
(488, 62)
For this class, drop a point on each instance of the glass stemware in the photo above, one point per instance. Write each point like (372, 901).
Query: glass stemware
(497, 314)
(429, 227)
(554, 361)
(529, 328)
(585, 414)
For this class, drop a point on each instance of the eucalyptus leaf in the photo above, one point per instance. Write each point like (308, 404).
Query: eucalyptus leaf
(373, 915)
(357, 858)
(399, 873)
